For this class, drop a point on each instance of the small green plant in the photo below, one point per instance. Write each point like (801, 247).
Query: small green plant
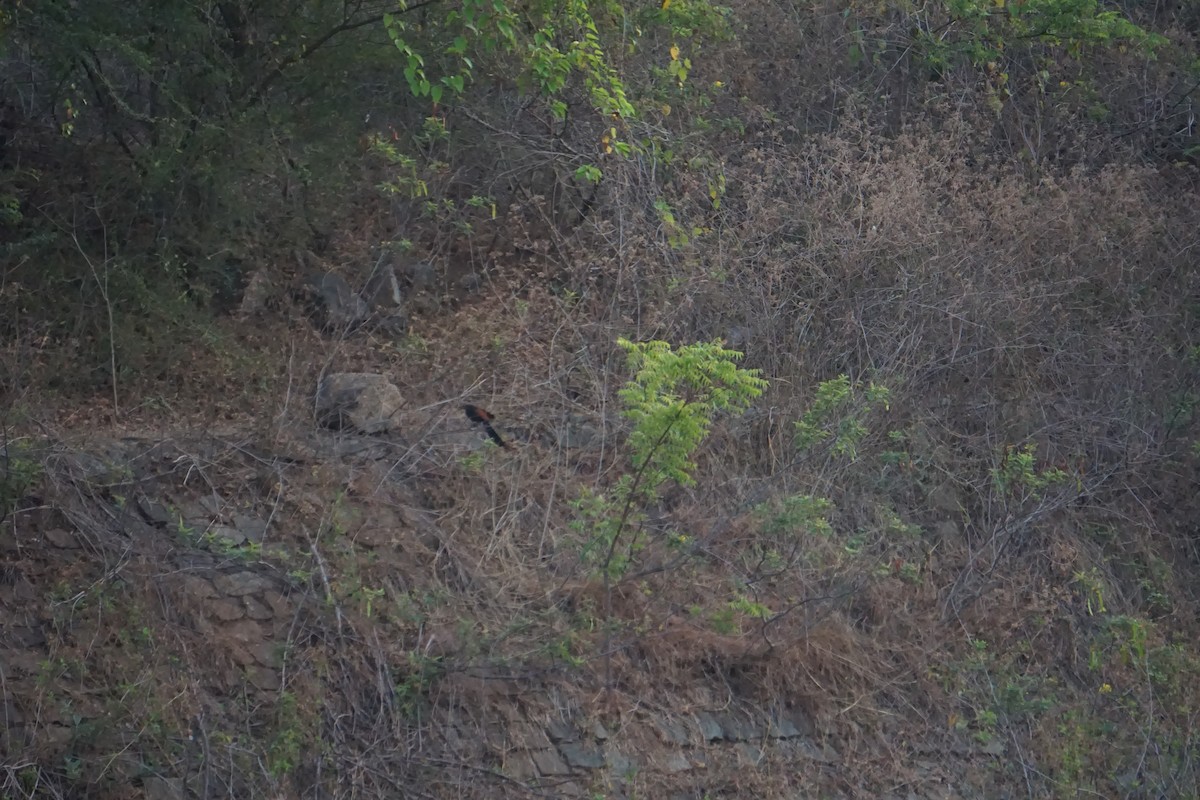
(588, 173)
(286, 747)
(19, 471)
(413, 344)
(985, 725)
(412, 691)
(750, 608)
(406, 179)
(223, 545)
(984, 31)
(1093, 590)
(367, 597)
(1017, 474)
(724, 621)
(300, 575)
(671, 400)
(551, 43)
(564, 649)
(474, 462)
(10, 211)
(72, 768)
(836, 415)
(677, 236)
(795, 515)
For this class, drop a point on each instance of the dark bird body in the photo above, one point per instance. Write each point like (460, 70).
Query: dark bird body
(481, 416)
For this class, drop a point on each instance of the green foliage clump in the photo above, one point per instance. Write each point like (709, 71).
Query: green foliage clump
(671, 400)
(797, 514)
(19, 471)
(981, 31)
(550, 42)
(836, 415)
(1018, 473)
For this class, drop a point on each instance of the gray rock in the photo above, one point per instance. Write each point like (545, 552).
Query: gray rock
(225, 610)
(749, 752)
(496, 736)
(788, 724)
(246, 632)
(102, 471)
(520, 768)
(364, 401)
(382, 292)
(582, 755)
(252, 528)
(577, 433)
(266, 653)
(820, 753)
(421, 275)
(561, 731)
(673, 731)
(550, 764)
(197, 588)
(471, 282)
(240, 655)
(710, 726)
(278, 603)
(621, 765)
(426, 303)
(240, 584)
(739, 728)
(338, 305)
(255, 295)
(676, 763)
(154, 513)
(255, 609)
(60, 539)
(526, 735)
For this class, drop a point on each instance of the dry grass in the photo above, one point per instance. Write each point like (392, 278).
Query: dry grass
(443, 587)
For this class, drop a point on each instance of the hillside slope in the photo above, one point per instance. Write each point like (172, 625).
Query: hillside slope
(252, 546)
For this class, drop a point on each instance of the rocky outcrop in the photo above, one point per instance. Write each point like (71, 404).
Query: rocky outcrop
(172, 628)
(361, 401)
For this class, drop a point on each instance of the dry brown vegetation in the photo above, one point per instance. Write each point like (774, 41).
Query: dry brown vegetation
(969, 624)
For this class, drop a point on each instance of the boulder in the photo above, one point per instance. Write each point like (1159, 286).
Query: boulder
(382, 291)
(421, 275)
(360, 400)
(337, 305)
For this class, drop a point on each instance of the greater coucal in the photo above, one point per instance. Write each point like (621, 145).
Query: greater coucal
(483, 417)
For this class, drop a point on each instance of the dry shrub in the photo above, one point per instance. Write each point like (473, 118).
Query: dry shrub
(999, 310)
(1003, 310)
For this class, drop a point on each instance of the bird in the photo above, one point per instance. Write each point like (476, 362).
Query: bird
(483, 417)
